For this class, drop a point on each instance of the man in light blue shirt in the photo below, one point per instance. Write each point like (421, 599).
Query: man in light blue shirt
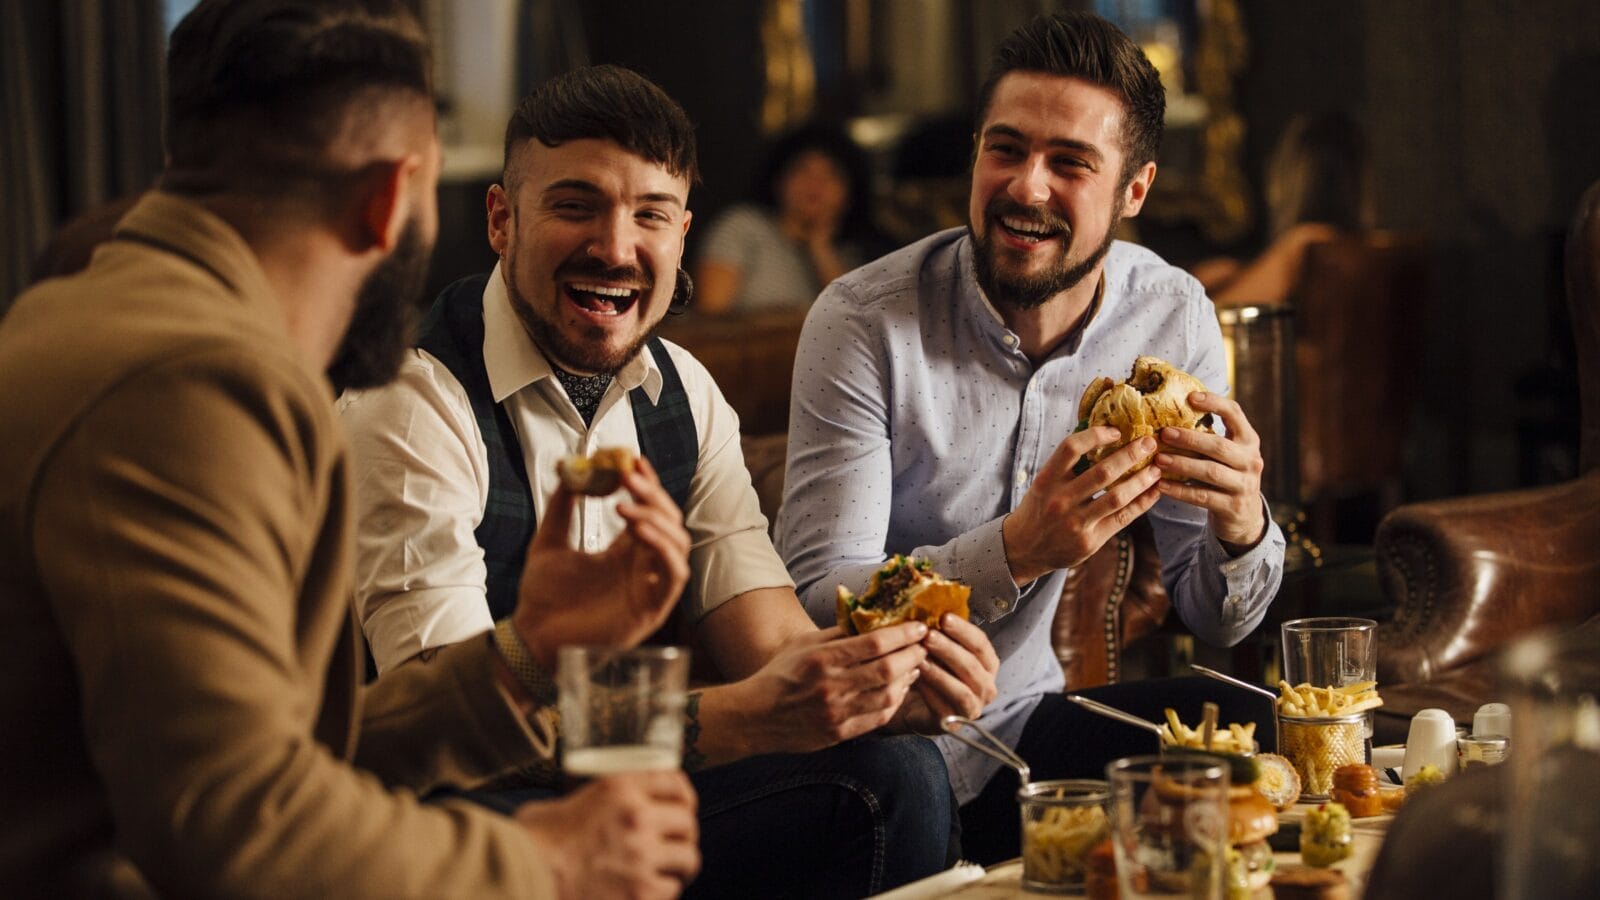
(936, 396)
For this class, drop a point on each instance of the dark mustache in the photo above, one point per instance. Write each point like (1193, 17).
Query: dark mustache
(1003, 206)
(595, 270)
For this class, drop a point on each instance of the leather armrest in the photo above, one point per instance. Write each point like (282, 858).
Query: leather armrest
(1469, 574)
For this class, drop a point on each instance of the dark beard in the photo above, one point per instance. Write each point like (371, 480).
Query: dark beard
(579, 356)
(1030, 291)
(385, 322)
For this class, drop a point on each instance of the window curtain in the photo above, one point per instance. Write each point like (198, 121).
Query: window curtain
(80, 96)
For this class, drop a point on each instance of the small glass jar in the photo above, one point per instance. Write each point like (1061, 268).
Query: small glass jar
(1480, 751)
(1061, 822)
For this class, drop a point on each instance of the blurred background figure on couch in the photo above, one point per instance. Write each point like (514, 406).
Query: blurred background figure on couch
(1318, 188)
(811, 221)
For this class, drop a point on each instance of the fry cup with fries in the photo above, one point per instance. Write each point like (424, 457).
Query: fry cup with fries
(1234, 738)
(1323, 728)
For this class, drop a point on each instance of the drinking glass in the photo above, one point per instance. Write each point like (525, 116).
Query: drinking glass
(1330, 651)
(1552, 682)
(621, 710)
(1169, 825)
(1061, 822)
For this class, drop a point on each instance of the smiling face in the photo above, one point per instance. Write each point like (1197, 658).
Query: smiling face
(590, 236)
(1047, 186)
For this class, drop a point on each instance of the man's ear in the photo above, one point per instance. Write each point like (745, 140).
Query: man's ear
(497, 203)
(386, 197)
(1138, 188)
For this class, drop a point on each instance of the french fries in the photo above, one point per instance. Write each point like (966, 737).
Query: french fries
(1307, 702)
(1235, 738)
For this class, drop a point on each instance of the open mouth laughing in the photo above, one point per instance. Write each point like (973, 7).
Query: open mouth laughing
(1028, 230)
(601, 300)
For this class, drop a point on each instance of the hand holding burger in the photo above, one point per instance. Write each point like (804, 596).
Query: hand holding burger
(1220, 474)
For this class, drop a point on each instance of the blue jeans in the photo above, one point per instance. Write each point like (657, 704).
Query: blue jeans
(1064, 740)
(852, 820)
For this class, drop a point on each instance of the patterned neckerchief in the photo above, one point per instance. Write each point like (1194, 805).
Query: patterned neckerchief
(585, 391)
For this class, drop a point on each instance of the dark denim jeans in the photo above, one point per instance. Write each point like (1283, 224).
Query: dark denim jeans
(1064, 740)
(848, 821)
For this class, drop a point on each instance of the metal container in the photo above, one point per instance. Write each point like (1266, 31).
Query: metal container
(1317, 746)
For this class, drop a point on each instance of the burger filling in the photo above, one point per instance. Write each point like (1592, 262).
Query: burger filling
(890, 581)
(1250, 869)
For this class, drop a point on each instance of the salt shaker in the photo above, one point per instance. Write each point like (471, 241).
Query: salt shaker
(1431, 741)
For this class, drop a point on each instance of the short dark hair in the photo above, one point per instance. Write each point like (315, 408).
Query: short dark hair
(837, 145)
(1084, 45)
(608, 103)
(257, 88)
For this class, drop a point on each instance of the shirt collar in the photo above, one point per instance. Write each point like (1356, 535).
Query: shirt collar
(513, 361)
(1069, 344)
(190, 230)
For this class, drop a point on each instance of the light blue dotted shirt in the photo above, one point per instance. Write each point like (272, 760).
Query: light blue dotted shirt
(916, 425)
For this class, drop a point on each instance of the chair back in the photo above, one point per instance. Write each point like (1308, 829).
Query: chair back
(1583, 302)
(1359, 304)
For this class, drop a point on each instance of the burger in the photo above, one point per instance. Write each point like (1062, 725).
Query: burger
(598, 474)
(905, 589)
(1251, 820)
(1155, 396)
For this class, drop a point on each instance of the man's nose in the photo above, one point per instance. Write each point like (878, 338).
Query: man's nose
(1031, 185)
(613, 243)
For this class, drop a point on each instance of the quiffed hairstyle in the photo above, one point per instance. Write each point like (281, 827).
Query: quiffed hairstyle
(256, 89)
(1084, 45)
(606, 103)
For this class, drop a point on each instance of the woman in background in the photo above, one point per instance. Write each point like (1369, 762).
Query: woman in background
(811, 223)
(1319, 186)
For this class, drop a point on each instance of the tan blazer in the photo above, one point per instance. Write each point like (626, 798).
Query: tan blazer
(179, 685)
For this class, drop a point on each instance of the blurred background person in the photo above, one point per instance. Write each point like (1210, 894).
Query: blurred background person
(810, 223)
(1318, 187)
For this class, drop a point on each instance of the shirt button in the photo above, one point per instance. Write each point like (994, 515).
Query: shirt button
(591, 542)
(1002, 605)
(1022, 477)
(1235, 599)
(1009, 340)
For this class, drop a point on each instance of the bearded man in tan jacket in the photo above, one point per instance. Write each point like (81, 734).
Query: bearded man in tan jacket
(182, 690)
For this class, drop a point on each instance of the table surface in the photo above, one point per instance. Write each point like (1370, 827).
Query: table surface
(1004, 880)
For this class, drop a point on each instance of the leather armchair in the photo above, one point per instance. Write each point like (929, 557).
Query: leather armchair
(1470, 574)
(1107, 603)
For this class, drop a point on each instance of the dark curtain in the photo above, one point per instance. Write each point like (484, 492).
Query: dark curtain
(80, 96)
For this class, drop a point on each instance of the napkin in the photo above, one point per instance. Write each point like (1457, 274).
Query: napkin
(963, 873)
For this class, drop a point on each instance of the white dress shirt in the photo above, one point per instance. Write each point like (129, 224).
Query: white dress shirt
(422, 481)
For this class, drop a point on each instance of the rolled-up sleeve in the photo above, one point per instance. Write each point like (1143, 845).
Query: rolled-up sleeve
(421, 485)
(730, 552)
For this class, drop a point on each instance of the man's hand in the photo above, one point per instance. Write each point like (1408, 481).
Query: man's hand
(616, 597)
(957, 677)
(1060, 522)
(824, 688)
(1226, 480)
(621, 836)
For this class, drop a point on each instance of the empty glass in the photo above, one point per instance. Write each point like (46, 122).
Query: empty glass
(621, 710)
(1169, 826)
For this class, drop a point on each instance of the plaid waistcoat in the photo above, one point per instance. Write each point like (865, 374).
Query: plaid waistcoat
(453, 334)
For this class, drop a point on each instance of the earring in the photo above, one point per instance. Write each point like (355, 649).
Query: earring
(682, 293)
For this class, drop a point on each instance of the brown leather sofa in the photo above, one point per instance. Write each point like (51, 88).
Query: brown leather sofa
(1108, 603)
(1470, 574)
